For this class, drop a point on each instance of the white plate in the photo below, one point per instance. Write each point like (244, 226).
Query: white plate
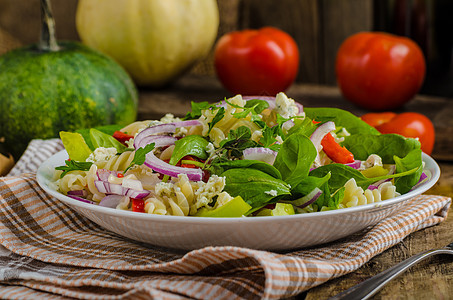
(268, 233)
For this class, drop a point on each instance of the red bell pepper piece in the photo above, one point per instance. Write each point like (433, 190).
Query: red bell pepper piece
(336, 152)
(122, 137)
(138, 205)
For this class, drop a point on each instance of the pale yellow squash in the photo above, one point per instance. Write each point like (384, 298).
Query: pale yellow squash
(154, 40)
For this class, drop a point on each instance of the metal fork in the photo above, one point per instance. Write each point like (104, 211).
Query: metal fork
(371, 286)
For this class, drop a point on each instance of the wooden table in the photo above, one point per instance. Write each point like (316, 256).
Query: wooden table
(432, 279)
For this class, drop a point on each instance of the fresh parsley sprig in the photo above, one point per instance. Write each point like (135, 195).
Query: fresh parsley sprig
(72, 165)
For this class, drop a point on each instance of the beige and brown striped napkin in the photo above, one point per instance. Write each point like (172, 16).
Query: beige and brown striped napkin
(48, 251)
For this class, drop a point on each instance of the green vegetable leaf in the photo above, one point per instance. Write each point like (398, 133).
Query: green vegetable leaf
(340, 174)
(385, 145)
(218, 116)
(140, 156)
(238, 140)
(75, 145)
(72, 165)
(101, 139)
(258, 105)
(218, 168)
(107, 129)
(412, 160)
(254, 186)
(303, 126)
(341, 118)
(197, 108)
(253, 107)
(269, 137)
(189, 145)
(296, 155)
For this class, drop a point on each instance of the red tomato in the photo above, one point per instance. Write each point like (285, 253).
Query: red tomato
(257, 62)
(375, 119)
(408, 124)
(379, 71)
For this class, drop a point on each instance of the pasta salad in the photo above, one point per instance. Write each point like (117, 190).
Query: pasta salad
(243, 156)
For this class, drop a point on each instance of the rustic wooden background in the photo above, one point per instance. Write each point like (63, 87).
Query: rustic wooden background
(318, 26)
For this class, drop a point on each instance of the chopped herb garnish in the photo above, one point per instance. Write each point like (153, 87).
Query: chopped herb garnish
(72, 165)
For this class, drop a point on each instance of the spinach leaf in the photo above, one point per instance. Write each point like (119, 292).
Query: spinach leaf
(220, 167)
(412, 160)
(385, 145)
(254, 186)
(295, 158)
(335, 199)
(308, 184)
(341, 174)
(189, 145)
(341, 118)
(100, 139)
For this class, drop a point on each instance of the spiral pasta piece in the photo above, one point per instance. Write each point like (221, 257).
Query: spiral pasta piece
(355, 195)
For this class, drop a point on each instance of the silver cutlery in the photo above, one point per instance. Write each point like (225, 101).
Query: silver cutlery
(371, 286)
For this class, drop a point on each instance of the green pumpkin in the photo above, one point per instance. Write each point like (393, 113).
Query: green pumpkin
(68, 86)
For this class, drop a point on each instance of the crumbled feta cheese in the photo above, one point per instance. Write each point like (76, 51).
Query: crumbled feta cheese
(206, 191)
(169, 118)
(101, 154)
(285, 106)
(272, 193)
(180, 132)
(373, 160)
(210, 149)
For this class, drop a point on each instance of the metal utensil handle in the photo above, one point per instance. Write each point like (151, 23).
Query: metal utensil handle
(371, 286)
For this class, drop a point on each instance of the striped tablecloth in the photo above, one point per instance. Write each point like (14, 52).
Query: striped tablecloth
(48, 251)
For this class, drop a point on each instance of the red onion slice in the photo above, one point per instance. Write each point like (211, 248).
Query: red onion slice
(153, 130)
(355, 165)
(320, 132)
(81, 199)
(103, 174)
(187, 123)
(308, 199)
(260, 153)
(117, 189)
(423, 177)
(158, 140)
(377, 184)
(111, 201)
(79, 193)
(162, 167)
